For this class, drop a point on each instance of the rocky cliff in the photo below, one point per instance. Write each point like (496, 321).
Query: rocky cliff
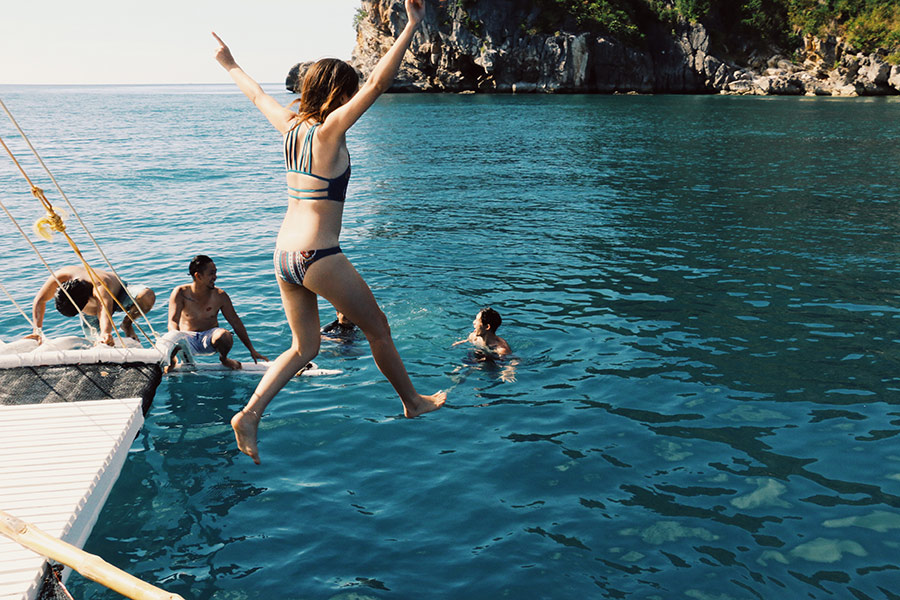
(492, 46)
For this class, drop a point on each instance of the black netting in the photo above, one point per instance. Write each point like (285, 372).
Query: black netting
(74, 383)
(53, 588)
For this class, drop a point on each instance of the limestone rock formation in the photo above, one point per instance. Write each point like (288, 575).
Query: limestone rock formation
(294, 80)
(828, 68)
(493, 46)
(484, 46)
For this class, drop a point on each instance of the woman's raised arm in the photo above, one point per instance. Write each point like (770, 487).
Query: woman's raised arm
(381, 78)
(279, 116)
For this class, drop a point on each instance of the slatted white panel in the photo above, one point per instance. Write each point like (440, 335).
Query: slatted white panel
(58, 463)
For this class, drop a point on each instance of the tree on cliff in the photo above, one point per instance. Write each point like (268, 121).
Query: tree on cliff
(867, 25)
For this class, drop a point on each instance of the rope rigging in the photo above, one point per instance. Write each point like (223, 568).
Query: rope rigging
(13, 300)
(53, 221)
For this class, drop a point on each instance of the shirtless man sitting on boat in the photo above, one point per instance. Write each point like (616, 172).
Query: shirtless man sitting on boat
(73, 284)
(194, 310)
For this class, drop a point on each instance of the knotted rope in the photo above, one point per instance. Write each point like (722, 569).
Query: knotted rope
(52, 221)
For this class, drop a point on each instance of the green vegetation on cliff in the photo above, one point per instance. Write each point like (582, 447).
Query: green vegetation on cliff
(865, 24)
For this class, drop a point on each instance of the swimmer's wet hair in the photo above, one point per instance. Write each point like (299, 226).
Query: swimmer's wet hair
(198, 263)
(490, 317)
(80, 291)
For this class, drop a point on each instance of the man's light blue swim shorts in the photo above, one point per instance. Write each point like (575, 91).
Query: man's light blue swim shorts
(200, 342)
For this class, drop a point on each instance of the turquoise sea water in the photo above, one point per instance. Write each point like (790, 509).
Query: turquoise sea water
(700, 291)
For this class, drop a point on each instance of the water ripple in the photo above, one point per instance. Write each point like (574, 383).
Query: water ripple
(699, 292)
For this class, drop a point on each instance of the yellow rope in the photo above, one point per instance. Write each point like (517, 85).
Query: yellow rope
(53, 220)
(46, 264)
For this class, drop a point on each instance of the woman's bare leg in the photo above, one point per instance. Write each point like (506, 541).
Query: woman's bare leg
(302, 311)
(335, 279)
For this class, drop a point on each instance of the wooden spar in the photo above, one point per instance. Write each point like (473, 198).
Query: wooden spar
(91, 566)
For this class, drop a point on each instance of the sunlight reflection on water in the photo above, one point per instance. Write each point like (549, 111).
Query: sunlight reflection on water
(700, 293)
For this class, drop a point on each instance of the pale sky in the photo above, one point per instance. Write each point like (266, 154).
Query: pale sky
(166, 41)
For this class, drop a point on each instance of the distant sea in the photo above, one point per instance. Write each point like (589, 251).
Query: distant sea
(701, 294)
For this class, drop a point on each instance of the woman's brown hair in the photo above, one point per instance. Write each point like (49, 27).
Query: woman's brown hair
(325, 83)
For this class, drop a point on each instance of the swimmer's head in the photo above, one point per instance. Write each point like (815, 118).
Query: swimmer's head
(490, 318)
(80, 292)
(328, 84)
(343, 320)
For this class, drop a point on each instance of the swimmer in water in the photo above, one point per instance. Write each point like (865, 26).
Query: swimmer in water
(488, 345)
(342, 328)
(484, 335)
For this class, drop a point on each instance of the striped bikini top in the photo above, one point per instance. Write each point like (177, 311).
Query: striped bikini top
(301, 162)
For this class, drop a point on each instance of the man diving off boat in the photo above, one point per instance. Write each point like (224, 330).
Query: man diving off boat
(194, 309)
(73, 284)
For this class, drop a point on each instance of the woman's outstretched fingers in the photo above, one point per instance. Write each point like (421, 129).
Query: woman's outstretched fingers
(223, 54)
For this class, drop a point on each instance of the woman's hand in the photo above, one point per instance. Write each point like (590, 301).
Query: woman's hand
(415, 10)
(223, 54)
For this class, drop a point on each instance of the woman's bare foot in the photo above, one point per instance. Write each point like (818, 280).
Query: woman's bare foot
(424, 404)
(245, 424)
(230, 363)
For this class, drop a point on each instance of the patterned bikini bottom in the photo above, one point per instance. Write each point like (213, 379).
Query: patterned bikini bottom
(291, 265)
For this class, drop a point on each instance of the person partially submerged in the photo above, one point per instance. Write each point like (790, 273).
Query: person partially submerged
(194, 309)
(72, 291)
(341, 328)
(484, 333)
(490, 347)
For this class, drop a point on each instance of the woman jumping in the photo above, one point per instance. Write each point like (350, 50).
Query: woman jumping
(308, 259)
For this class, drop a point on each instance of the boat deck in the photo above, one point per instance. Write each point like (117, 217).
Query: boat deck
(58, 463)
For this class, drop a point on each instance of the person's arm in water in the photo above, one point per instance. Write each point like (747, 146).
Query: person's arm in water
(279, 116)
(471, 338)
(381, 78)
(235, 321)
